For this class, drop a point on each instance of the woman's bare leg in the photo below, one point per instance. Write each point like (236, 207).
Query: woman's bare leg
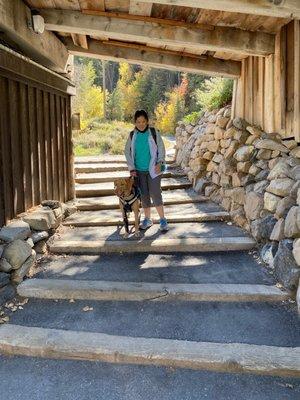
(160, 211)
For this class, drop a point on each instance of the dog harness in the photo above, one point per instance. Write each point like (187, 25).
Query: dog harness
(127, 203)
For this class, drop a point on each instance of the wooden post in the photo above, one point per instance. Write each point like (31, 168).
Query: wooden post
(104, 87)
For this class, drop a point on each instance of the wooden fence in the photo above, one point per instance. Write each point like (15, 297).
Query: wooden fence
(268, 92)
(35, 136)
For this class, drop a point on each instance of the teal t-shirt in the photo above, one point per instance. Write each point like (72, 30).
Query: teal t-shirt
(142, 154)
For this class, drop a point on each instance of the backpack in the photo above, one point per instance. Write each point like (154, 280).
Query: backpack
(153, 133)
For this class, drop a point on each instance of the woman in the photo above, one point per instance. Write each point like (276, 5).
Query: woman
(145, 155)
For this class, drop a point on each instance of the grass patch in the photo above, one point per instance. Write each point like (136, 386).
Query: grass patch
(104, 138)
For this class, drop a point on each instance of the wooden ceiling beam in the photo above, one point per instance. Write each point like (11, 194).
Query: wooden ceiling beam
(219, 39)
(208, 66)
(140, 8)
(270, 8)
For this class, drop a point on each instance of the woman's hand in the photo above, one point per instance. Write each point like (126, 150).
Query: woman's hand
(133, 173)
(157, 169)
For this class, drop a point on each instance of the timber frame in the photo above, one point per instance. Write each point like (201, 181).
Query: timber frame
(256, 43)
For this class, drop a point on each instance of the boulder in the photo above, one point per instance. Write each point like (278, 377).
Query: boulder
(271, 201)
(262, 228)
(15, 230)
(294, 173)
(285, 266)
(264, 154)
(294, 190)
(240, 123)
(229, 133)
(238, 217)
(4, 279)
(222, 121)
(18, 275)
(1, 249)
(260, 187)
(233, 146)
(227, 166)
(241, 136)
(296, 251)
(240, 179)
(290, 144)
(213, 146)
(281, 187)
(243, 166)
(280, 170)
(244, 153)
(269, 144)
(225, 180)
(254, 169)
(262, 175)
(37, 236)
(208, 155)
(298, 200)
(17, 252)
(268, 253)
(292, 223)
(278, 231)
(226, 203)
(210, 128)
(295, 152)
(254, 131)
(254, 203)
(5, 265)
(217, 158)
(51, 204)
(41, 220)
(238, 195)
(219, 133)
(41, 247)
(284, 206)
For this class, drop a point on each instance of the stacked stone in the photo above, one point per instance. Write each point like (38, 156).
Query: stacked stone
(22, 239)
(256, 178)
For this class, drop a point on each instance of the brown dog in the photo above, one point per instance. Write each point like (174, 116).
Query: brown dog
(129, 200)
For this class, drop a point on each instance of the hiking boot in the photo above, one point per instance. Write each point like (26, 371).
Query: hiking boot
(163, 225)
(146, 224)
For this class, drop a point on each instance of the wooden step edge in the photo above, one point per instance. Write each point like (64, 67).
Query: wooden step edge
(200, 217)
(16, 340)
(198, 245)
(82, 206)
(67, 289)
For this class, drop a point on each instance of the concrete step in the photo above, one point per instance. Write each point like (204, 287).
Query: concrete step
(100, 380)
(134, 291)
(109, 158)
(179, 196)
(107, 188)
(225, 357)
(111, 176)
(159, 245)
(100, 167)
(185, 213)
(184, 268)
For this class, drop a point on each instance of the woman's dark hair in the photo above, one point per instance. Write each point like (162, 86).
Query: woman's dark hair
(141, 113)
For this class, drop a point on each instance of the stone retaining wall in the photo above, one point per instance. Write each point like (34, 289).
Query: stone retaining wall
(24, 239)
(253, 175)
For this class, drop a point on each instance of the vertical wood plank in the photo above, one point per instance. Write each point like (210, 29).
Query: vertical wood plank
(16, 146)
(255, 92)
(33, 146)
(269, 94)
(48, 150)
(41, 145)
(71, 183)
(64, 144)
(25, 134)
(261, 85)
(6, 170)
(59, 148)
(297, 81)
(277, 84)
(54, 147)
(290, 80)
(283, 61)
